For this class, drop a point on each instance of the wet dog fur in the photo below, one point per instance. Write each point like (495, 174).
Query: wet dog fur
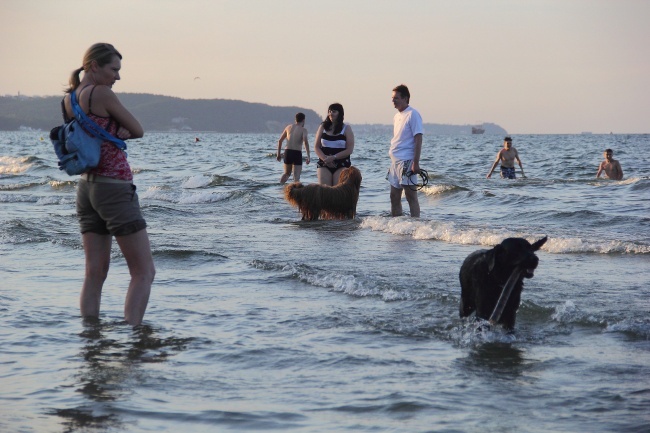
(484, 274)
(327, 202)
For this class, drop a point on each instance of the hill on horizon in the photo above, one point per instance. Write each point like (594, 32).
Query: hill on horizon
(168, 113)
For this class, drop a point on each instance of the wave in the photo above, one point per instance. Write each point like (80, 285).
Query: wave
(199, 181)
(54, 200)
(185, 254)
(536, 324)
(15, 165)
(14, 198)
(17, 186)
(54, 184)
(641, 185)
(568, 314)
(167, 195)
(441, 189)
(453, 233)
(353, 285)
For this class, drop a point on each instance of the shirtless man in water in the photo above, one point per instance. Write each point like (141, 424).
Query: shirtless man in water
(507, 157)
(611, 166)
(295, 135)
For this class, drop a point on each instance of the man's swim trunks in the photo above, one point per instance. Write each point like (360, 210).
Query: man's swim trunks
(293, 157)
(398, 176)
(508, 172)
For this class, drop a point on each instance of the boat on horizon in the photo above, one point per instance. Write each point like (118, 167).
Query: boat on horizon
(478, 129)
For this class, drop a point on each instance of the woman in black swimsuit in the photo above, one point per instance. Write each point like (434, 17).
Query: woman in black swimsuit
(334, 144)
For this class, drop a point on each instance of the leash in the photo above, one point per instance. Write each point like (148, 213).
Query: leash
(424, 180)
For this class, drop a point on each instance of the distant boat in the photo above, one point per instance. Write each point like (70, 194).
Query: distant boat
(478, 130)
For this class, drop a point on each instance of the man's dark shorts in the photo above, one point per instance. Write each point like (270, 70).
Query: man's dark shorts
(508, 173)
(293, 157)
(109, 208)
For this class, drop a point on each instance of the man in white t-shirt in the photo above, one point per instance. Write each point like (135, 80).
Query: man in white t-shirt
(404, 152)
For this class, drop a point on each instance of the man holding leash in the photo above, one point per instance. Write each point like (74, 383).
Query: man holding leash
(404, 152)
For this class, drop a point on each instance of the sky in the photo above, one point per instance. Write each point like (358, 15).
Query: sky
(530, 66)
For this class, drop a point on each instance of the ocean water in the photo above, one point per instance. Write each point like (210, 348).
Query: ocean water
(261, 322)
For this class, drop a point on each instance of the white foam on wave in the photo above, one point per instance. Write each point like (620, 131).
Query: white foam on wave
(639, 327)
(576, 245)
(158, 193)
(13, 165)
(56, 184)
(425, 230)
(452, 233)
(11, 198)
(348, 284)
(476, 332)
(566, 312)
(55, 200)
(437, 189)
(198, 181)
(203, 197)
(164, 194)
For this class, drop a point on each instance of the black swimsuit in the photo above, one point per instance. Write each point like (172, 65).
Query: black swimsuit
(331, 145)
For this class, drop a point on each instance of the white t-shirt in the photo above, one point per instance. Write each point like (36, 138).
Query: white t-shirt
(406, 125)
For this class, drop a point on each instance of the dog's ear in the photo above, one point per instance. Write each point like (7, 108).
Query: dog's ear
(491, 256)
(537, 245)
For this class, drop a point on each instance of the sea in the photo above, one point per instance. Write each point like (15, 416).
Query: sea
(261, 322)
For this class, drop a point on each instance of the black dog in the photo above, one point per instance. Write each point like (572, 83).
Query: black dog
(487, 274)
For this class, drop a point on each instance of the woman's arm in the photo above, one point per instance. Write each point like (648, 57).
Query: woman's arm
(318, 144)
(105, 101)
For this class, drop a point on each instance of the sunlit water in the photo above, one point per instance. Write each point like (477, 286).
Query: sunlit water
(260, 322)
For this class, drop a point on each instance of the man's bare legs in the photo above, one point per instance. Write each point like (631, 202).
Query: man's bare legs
(396, 201)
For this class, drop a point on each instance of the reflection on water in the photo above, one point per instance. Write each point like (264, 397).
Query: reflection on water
(109, 371)
(499, 358)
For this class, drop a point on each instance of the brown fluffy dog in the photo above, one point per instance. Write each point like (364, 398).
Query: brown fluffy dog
(327, 202)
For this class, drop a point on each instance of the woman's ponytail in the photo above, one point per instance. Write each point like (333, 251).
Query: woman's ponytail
(74, 80)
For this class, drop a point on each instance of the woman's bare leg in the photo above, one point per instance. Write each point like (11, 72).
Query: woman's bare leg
(137, 252)
(324, 176)
(97, 249)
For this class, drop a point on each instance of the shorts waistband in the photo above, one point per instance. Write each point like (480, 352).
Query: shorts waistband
(90, 177)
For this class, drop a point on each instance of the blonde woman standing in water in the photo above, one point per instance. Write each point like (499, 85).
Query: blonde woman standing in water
(107, 202)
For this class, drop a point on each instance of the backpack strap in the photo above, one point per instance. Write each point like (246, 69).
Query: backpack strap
(91, 126)
(66, 119)
(90, 99)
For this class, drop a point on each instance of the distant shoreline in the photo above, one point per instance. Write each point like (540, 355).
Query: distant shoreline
(172, 114)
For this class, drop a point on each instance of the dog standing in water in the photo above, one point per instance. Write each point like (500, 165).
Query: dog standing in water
(327, 202)
(491, 281)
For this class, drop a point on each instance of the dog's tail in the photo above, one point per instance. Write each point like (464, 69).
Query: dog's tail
(290, 192)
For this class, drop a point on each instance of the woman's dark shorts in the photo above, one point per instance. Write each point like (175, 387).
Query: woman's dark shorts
(293, 157)
(108, 208)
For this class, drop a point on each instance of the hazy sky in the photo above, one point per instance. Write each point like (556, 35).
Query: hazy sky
(531, 66)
